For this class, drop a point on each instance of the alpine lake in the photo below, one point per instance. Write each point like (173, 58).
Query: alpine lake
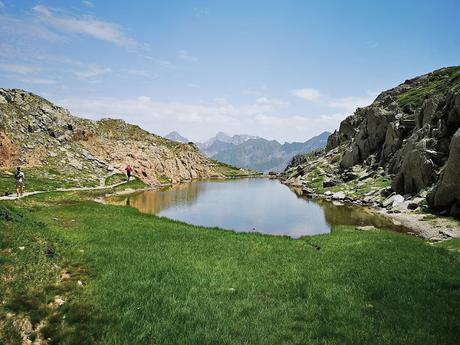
(250, 205)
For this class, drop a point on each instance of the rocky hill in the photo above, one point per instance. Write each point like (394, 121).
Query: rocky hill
(402, 151)
(41, 136)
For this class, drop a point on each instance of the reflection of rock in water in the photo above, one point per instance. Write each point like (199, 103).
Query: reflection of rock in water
(356, 215)
(157, 200)
(351, 215)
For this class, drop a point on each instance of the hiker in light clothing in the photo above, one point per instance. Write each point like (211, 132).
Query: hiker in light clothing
(20, 178)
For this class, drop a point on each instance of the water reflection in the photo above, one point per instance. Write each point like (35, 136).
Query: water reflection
(260, 205)
(154, 202)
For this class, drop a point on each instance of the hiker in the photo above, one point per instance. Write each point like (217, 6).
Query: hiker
(20, 177)
(129, 170)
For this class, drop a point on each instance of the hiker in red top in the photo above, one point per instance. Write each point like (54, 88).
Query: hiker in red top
(129, 170)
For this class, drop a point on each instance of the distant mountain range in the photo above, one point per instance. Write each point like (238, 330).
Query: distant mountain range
(254, 152)
(177, 137)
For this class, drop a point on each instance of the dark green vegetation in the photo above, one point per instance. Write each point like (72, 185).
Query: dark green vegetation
(438, 81)
(149, 280)
(452, 245)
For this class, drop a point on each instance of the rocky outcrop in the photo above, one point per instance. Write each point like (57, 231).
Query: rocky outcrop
(408, 132)
(36, 133)
(8, 150)
(414, 166)
(446, 195)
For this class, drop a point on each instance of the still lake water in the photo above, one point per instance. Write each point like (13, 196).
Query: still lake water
(249, 205)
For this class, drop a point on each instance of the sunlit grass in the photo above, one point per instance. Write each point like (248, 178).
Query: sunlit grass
(114, 179)
(43, 179)
(150, 280)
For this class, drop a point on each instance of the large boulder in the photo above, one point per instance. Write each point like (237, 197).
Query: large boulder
(370, 137)
(351, 156)
(393, 200)
(446, 195)
(333, 141)
(392, 141)
(453, 108)
(347, 130)
(372, 131)
(426, 112)
(417, 170)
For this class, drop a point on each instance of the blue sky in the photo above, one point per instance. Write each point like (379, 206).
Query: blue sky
(285, 70)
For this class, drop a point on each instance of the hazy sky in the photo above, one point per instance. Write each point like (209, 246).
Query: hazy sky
(285, 70)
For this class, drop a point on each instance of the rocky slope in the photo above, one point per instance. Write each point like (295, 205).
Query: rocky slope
(401, 152)
(40, 135)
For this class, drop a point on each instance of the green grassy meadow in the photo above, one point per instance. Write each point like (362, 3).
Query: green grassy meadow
(39, 179)
(131, 278)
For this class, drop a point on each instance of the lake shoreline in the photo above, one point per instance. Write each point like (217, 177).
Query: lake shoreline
(331, 213)
(425, 225)
(101, 199)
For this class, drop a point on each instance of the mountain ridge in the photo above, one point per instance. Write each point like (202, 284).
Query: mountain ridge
(268, 155)
(175, 136)
(254, 152)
